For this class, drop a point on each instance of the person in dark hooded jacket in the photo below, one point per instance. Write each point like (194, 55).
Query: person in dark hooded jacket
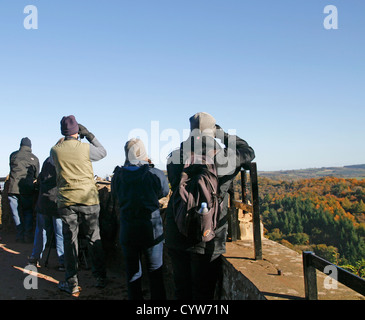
(47, 215)
(138, 186)
(24, 170)
(196, 266)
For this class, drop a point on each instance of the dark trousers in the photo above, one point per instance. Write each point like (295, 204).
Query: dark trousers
(86, 218)
(22, 209)
(195, 275)
(154, 259)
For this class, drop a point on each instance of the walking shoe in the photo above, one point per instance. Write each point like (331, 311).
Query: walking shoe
(67, 287)
(33, 261)
(100, 282)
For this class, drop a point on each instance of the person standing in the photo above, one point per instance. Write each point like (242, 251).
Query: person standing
(196, 266)
(47, 215)
(138, 186)
(78, 200)
(24, 170)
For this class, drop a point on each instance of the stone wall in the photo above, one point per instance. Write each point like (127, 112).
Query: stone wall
(246, 225)
(235, 286)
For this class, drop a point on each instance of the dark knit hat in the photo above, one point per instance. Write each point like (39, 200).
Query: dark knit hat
(25, 142)
(69, 126)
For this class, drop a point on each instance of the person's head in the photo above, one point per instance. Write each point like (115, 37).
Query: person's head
(203, 123)
(69, 126)
(135, 151)
(25, 142)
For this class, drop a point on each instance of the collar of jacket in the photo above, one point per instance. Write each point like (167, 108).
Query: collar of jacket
(25, 148)
(138, 163)
(70, 138)
(135, 165)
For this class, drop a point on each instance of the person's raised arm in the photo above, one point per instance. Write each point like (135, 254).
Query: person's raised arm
(97, 151)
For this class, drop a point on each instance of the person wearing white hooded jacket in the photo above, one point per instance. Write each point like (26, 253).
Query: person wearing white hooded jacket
(138, 186)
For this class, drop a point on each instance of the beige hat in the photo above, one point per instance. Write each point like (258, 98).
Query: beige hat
(204, 122)
(135, 151)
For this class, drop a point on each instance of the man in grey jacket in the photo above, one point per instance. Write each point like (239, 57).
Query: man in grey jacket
(24, 170)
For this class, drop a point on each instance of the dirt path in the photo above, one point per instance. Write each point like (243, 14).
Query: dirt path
(13, 263)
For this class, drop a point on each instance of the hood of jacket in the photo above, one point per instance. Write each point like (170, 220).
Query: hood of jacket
(25, 149)
(24, 169)
(133, 173)
(203, 123)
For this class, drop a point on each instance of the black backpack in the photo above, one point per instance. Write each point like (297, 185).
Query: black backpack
(198, 183)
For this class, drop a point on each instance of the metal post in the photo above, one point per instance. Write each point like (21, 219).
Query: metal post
(232, 216)
(256, 211)
(310, 276)
(243, 186)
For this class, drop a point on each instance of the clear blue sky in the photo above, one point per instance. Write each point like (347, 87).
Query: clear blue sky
(268, 69)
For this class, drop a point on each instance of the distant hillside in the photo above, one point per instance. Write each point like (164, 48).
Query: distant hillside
(353, 171)
(325, 213)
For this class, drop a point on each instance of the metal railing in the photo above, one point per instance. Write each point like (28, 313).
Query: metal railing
(311, 263)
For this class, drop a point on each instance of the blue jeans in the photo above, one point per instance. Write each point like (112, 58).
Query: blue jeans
(44, 228)
(23, 223)
(154, 257)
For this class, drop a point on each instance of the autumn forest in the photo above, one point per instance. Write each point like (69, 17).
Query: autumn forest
(325, 215)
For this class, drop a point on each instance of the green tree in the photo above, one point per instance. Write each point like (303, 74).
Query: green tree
(275, 235)
(298, 238)
(359, 207)
(347, 204)
(329, 253)
(358, 268)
